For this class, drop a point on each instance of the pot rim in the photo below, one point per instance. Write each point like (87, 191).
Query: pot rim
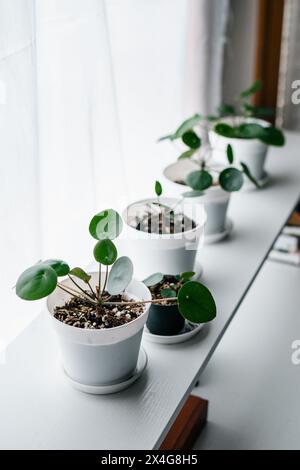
(104, 330)
(206, 193)
(165, 236)
(211, 188)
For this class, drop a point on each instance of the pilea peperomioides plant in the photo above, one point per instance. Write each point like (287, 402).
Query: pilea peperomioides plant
(238, 123)
(241, 126)
(230, 178)
(194, 300)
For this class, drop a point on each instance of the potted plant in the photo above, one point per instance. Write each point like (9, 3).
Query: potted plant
(165, 318)
(99, 317)
(162, 234)
(243, 126)
(202, 180)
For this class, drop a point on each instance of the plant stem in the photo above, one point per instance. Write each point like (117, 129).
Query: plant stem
(94, 294)
(78, 286)
(74, 293)
(154, 301)
(99, 282)
(105, 281)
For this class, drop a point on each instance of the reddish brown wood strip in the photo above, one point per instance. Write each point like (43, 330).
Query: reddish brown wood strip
(187, 426)
(268, 50)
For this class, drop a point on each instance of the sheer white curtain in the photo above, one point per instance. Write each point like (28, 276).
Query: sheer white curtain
(86, 88)
(289, 111)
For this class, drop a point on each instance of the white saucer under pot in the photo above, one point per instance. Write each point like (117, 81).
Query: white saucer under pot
(215, 199)
(188, 332)
(252, 152)
(217, 237)
(99, 357)
(166, 253)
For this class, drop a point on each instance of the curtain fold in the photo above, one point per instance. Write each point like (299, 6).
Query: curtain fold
(19, 197)
(86, 89)
(289, 112)
(206, 38)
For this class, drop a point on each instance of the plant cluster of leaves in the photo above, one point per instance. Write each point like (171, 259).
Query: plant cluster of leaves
(231, 179)
(195, 302)
(42, 279)
(269, 135)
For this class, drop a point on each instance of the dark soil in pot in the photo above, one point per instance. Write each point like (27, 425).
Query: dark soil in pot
(165, 319)
(82, 314)
(160, 219)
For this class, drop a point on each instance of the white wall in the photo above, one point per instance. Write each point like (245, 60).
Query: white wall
(240, 49)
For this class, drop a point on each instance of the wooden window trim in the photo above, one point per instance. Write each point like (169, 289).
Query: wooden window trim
(268, 50)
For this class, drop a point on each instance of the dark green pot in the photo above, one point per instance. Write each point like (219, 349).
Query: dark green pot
(165, 320)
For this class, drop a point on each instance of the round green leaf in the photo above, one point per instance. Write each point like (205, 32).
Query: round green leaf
(105, 252)
(120, 276)
(254, 88)
(272, 136)
(199, 180)
(153, 280)
(257, 111)
(60, 267)
(187, 154)
(191, 139)
(106, 225)
(81, 274)
(36, 282)
(226, 110)
(158, 188)
(231, 179)
(250, 131)
(225, 130)
(230, 156)
(196, 303)
(168, 293)
(187, 276)
(188, 125)
(249, 175)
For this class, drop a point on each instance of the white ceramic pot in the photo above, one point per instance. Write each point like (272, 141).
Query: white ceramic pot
(100, 357)
(215, 199)
(167, 253)
(252, 152)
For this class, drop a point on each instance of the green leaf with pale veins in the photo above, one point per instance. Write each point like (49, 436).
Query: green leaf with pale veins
(199, 180)
(106, 225)
(120, 276)
(36, 282)
(153, 280)
(231, 179)
(80, 274)
(60, 267)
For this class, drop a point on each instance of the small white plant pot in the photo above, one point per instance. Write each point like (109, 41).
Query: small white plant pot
(166, 253)
(215, 199)
(252, 152)
(100, 357)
